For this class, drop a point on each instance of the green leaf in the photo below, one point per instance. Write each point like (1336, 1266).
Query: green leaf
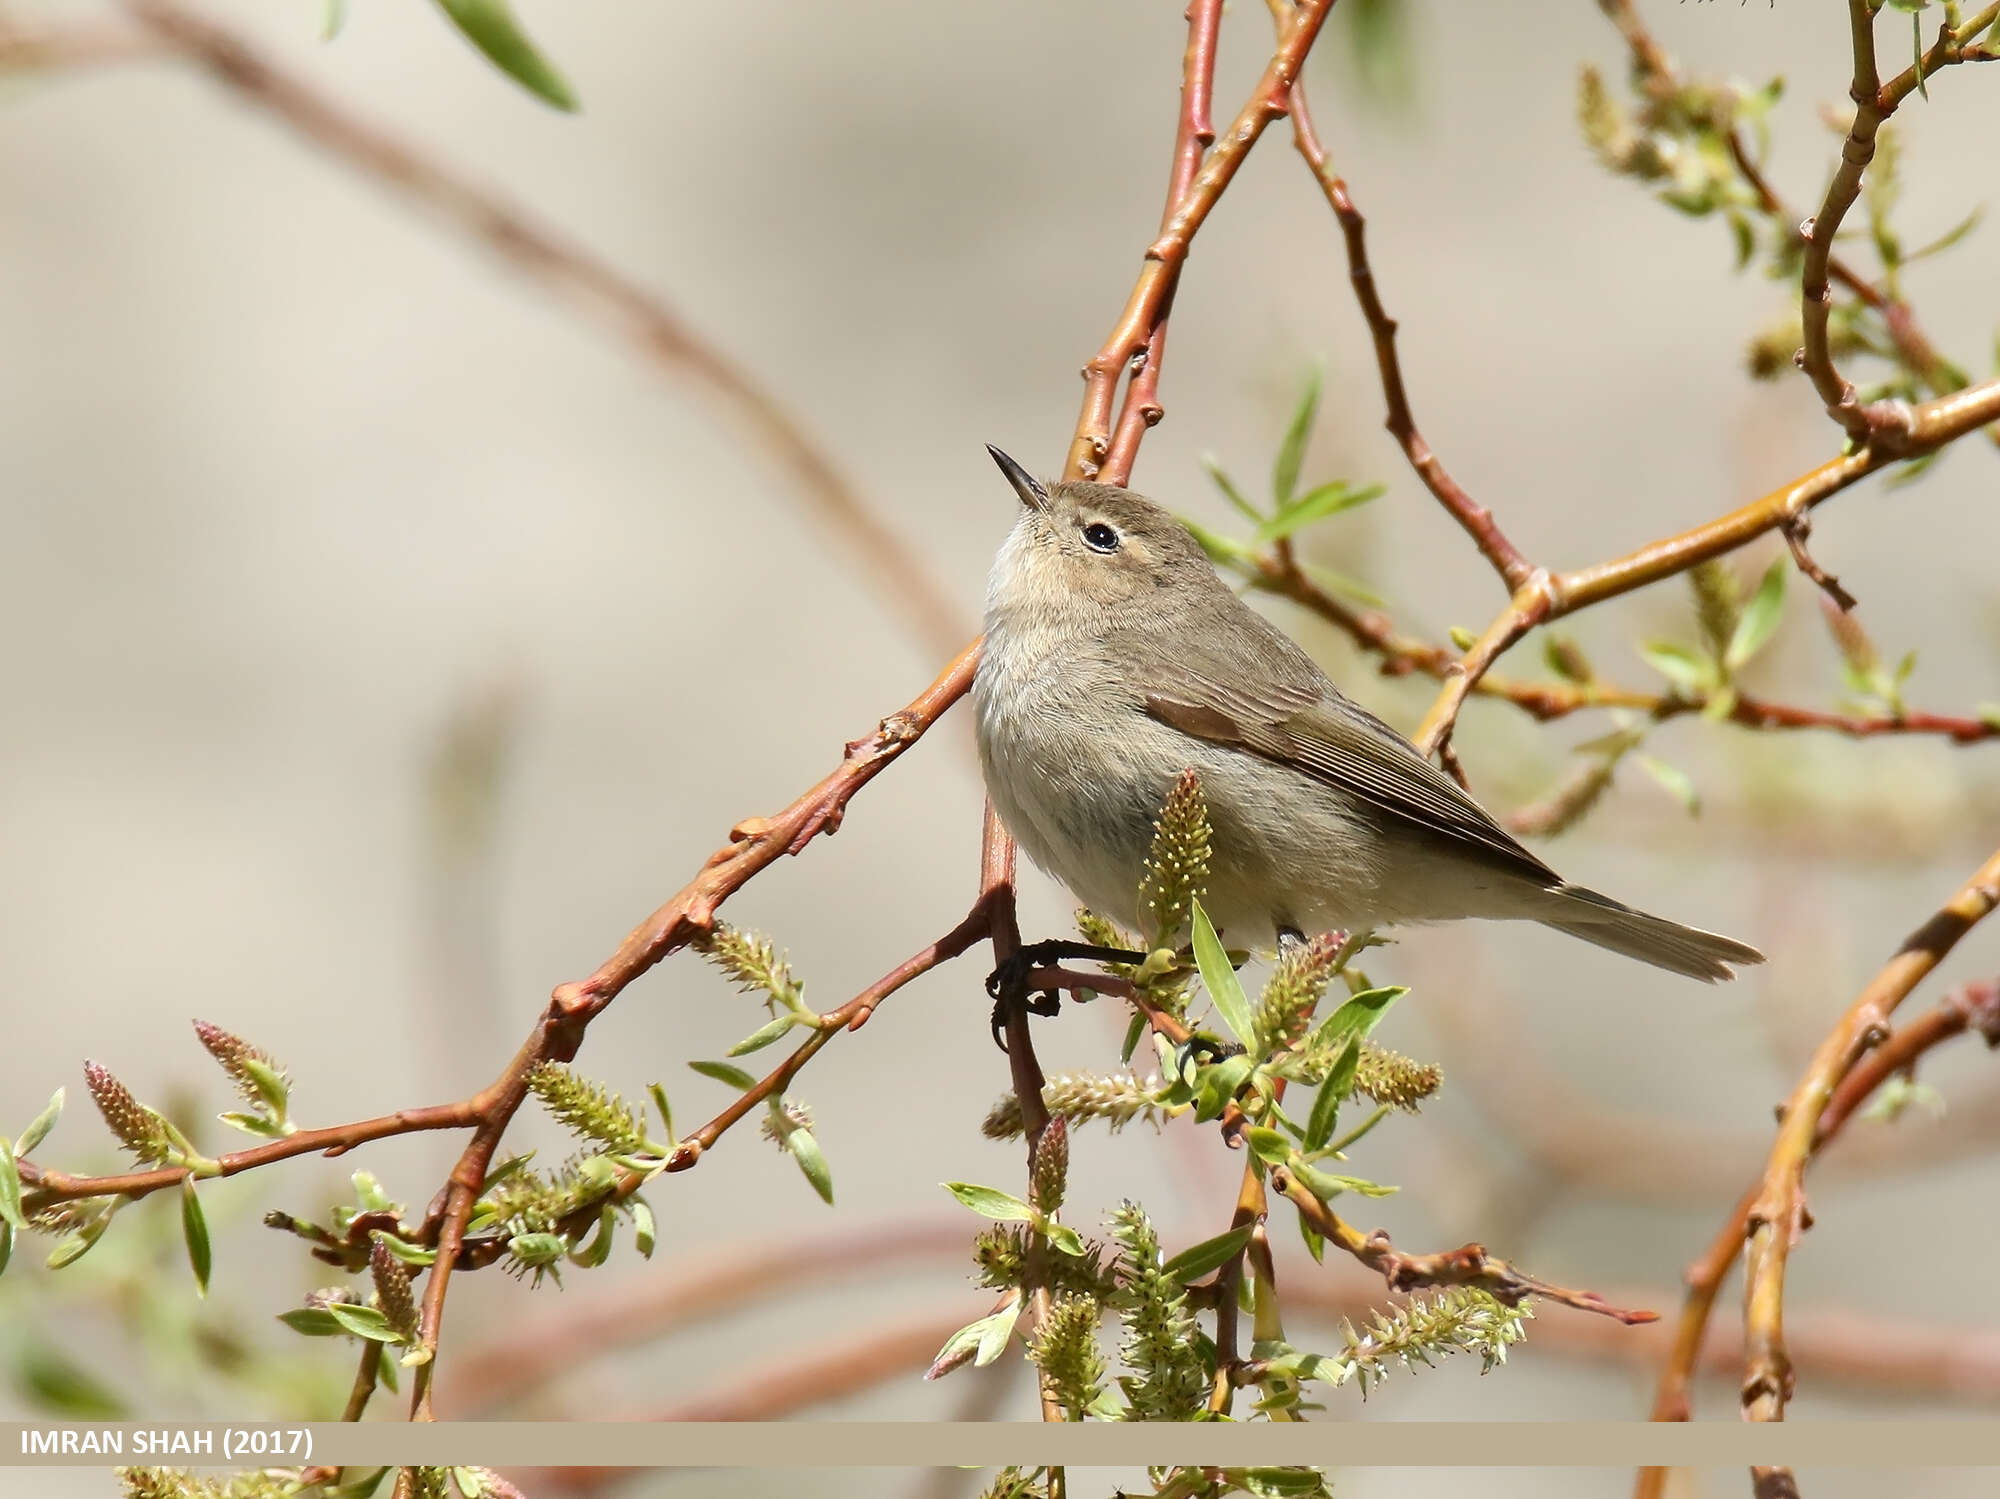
(402, 1249)
(645, 1233)
(1210, 1254)
(991, 1202)
(1327, 1185)
(1315, 1240)
(993, 1333)
(1269, 1144)
(270, 1087)
(1760, 617)
(363, 1322)
(1228, 487)
(38, 1130)
(1282, 1483)
(666, 1112)
(468, 1483)
(1317, 504)
(764, 1035)
(332, 16)
(1133, 1031)
(1357, 1017)
(490, 26)
(253, 1124)
(56, 1383)
(1679, 784)
(1690, 674)
(812, 1161)
(1292, 451)
(1220, 979)
(194, 1230)
(10, 1189)
(1463, 638)
(722, 1072)
(1221, 549)
(1745, 236)
(1989, 714)
(1950, 237)
(1218, 1085)
(1064, 1238)
(313, 1321)
(1326, 1103)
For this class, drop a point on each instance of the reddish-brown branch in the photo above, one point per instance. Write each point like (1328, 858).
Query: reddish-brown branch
(1091, 446)
(1777, 1216)
(1402, 656)
(1141, 409)
(89, 44)
(1476, 519)
(587, 285)
(1975, 1007)
(1468, 1265)
(1550, 596)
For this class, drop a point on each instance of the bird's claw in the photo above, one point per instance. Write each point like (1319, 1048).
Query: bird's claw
(1008, 982)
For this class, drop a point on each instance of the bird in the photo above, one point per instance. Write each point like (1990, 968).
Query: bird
(1115, 660)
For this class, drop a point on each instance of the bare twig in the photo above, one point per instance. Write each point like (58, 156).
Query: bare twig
(1091, 448)
(1468, 1265)
(1476, 519)
(1777, 1216)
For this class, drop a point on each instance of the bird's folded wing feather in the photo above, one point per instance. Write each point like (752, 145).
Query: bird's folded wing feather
(1302, 721)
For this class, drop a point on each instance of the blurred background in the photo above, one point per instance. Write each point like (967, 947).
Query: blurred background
(382, 640)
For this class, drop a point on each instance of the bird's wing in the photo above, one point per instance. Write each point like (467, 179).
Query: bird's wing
(1291, 714)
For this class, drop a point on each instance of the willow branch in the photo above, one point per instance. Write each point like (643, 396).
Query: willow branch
(1548, 596)
(1476, 519)
(1469, 1265)
(1777, 1216)
(1402, 655)
(585, 284)
(1091, 449)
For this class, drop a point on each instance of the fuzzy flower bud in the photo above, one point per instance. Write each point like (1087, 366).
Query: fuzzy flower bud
(1049, 1175)
(137, 1127)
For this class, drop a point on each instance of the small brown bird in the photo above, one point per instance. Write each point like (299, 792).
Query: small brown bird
(1115, 659)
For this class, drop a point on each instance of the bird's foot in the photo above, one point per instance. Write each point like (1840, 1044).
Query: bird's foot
(1008, 983)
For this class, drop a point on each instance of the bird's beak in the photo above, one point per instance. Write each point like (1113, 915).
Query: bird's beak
(1026, 485)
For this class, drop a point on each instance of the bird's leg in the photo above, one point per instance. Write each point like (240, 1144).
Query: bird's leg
(1008, 983)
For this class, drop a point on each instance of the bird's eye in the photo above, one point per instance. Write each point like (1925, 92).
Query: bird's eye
(1100, 537)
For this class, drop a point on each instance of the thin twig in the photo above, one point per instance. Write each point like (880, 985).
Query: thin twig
(1468, 1265)
(1475, 518)
(1777, 1216)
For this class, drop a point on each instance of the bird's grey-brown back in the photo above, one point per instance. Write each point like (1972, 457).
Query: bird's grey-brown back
(1115, 659)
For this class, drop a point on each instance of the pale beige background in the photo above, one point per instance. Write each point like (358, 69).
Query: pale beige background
(290, 477)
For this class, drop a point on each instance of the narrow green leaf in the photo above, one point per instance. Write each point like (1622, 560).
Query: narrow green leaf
(1221, 549)
(332, 16)
(1133, 1031)
(1760, 616)
(1690, 674)
(1064, 1238)
(1340, 1077)
(645, 1233)
(994, 1331)
(490, 26)
(10, 1188)
(402, 1249)
(468, 1483)
(991, 1202)
(270, 1087)
(1292, 451)
(722, 1072)
(363, 1322)
(1268, 1144)
(1326, 1105)
(1989, 714)
(6, 1245)
(1218, 1085)
(764, 1035)
(1357, 1017)
(194, 1230)
(1950, 237)
(812, 1161)
(1228, 487)
(1679, 784)
(1282, 1483)
(666, 1112)
(252, 1124)
(1220, 979)
(1317, 504)
(313, 1321)
(1193, 1263)
(1315, 1241)
(38, 1131)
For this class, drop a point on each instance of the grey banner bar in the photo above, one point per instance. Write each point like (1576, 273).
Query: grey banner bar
(821, 1444)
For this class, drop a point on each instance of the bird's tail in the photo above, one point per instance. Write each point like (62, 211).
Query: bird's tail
(1651, 939)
